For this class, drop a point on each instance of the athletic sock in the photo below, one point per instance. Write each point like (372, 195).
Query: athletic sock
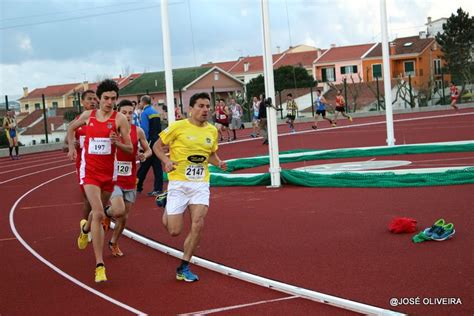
(16, 150)
(99, 265)
(184, 264)
(11, 150)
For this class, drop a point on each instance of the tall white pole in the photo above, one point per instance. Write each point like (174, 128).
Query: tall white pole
(270, 92)
(387, 75)
(167, 59)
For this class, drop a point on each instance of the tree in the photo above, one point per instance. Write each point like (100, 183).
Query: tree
(457, 44)
(70, 115)
(286, 77)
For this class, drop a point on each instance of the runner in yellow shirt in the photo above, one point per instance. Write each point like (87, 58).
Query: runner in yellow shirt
(192, 145)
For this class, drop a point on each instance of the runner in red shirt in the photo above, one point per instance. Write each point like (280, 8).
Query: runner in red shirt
(125, 193)
(340, 108)
(97, 170)
(454, 96)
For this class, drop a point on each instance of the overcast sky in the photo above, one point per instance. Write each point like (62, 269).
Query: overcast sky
(46, 42)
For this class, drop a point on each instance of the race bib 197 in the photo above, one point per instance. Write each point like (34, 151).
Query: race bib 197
(124, 168)
(195, 172)
(100, 146)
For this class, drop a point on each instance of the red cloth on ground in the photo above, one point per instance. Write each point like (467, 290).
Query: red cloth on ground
(402, 225)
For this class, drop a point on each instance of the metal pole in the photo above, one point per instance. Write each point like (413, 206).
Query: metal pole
(45, 119)
(378, 93)
(181, 100)
(386, 75)
(345, 94)
(442, 87)
(281, 106)
(6, 103)
(79, 103)
(213, 98)
(167, 59)
(412, 105)
(270, 93)
(312, 100)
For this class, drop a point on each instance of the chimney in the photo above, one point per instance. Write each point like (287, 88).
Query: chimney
(333, 45)
(429, 20)
(318, 52)
(52, 127)
(422, 34)
(85, 85)
(25, 91)
(392, 48)
(246, 66)
(278, 49)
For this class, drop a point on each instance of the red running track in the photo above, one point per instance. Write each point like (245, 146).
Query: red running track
(329, 240)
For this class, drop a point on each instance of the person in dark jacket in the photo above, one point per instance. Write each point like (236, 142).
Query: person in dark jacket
(151, 124)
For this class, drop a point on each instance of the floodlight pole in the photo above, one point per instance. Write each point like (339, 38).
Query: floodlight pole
(270, 93)
(167, 60)
(386, 75)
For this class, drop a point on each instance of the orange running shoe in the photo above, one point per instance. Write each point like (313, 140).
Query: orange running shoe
(116, 252)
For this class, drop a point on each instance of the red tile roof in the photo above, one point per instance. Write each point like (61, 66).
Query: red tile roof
(255, 64)
(38, 128)
(335, 54)
(305, 59)
(225, 65)
(30, 119)
(51, 91)
(418, 46)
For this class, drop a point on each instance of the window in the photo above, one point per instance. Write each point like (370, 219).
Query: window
(55, 105)
(27, 107)
(377, 71)
(328, 74)
(409, 68)
(437, 66)
(37, 106)
(349, 69)
(408, 44)
(439, 84)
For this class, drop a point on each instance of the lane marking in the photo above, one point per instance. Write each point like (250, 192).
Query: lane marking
(52, 266)
(261, 281)
(50, 205)
(222, 309)
(36, 172)
(32, 166)
(8, 239)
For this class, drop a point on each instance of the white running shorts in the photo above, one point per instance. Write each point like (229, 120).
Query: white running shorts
(184, 193)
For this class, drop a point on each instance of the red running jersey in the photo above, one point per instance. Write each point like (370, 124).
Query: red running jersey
(98, 154)
(127, 164)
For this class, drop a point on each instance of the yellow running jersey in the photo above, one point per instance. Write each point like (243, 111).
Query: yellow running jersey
(190, 148)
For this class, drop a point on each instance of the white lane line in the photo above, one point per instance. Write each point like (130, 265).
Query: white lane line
(33, 166)
(52, 266)
(50, 205)
(223, 309)
(347, 126)
(264, 282)
(36, 172)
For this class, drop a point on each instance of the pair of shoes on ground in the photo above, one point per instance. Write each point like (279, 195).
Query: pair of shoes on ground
(314, 127)
(15, 157)
(439, 231)
(185, 274)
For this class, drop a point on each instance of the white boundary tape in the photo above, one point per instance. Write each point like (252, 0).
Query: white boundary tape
(271, 284)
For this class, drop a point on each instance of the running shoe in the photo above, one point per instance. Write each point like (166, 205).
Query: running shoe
(446, 232)
(82, 240)
(153, 193)
(116, 252)
(185, 274)
(350, 118)
(438, 225)
(314, 127)
(100, 274)
(161, 199)
(334, 124)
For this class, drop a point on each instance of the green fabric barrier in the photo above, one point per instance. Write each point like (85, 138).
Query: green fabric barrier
(378, 180)
(220, 181)
(245, 163)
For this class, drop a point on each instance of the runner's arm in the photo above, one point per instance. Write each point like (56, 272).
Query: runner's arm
(81, 120)
(159, 151)
(216, 161)
(147, 150)
(123, 127)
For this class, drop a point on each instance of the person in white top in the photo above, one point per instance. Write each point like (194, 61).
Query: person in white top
(236, 112)
(255, 109)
